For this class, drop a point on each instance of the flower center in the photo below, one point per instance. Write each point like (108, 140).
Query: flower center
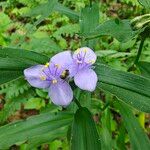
(81, 59)
(51, 72)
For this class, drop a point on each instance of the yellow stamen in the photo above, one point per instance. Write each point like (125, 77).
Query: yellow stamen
(43, 78)
(57, 66)
(85, 50)
(54, 81)
(91, 62)
(77, 51)
(46, 65)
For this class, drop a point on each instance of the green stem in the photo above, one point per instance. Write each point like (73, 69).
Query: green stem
(139, 51)
(77, 102)
(90, 3)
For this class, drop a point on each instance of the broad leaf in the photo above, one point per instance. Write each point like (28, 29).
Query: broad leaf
(84, 133)
(139, 140)
(144, 68)
(119, 29)
(132, 89)
(24, 130)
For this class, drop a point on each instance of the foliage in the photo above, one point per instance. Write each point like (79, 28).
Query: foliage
(112, 117)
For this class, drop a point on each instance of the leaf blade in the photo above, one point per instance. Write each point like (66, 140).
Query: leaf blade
(130, 88)
(83, 131)
(37, 125)
(139, 140)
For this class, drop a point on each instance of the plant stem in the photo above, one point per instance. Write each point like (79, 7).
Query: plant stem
(90, 3)
(77, 102)
(139, 50)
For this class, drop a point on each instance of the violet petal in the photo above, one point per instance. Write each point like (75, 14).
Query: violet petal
(64, 59)
(61, 93)
(86, 79)
(88, 54)
(36, 77)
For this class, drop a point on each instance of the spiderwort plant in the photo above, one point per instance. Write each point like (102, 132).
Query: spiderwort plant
(48, 77)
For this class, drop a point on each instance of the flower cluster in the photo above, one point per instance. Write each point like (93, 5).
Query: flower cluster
(54, 74)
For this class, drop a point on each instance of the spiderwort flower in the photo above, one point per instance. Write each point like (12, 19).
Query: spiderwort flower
(79, 65)
(48, 77)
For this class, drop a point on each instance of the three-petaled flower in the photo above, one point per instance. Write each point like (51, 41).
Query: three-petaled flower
(49, 76)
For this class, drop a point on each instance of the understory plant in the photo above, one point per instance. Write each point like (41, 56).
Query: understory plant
(74, 77)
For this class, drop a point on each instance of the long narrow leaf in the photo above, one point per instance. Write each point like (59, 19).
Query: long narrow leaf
(14, 61)
(139, 140)
(130, 88)
(34, 126)
(84, 136)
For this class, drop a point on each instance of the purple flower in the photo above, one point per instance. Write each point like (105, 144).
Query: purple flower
(79, 65)
(49, 77)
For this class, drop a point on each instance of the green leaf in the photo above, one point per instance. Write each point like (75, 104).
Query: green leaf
(106, 138)
(45, 45)
(84, 136)
(139, 140)
(45, 138)
(89, 20)
(14, 61)
(6, 76)
(4, 22)
(24, 130)
(145, 3)
(31, 57)
(119, 29)
(43, 10)
(106, 135)
(132, 89)
(144, 68)
(13, 64)
(66, 11)
(34, 103)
